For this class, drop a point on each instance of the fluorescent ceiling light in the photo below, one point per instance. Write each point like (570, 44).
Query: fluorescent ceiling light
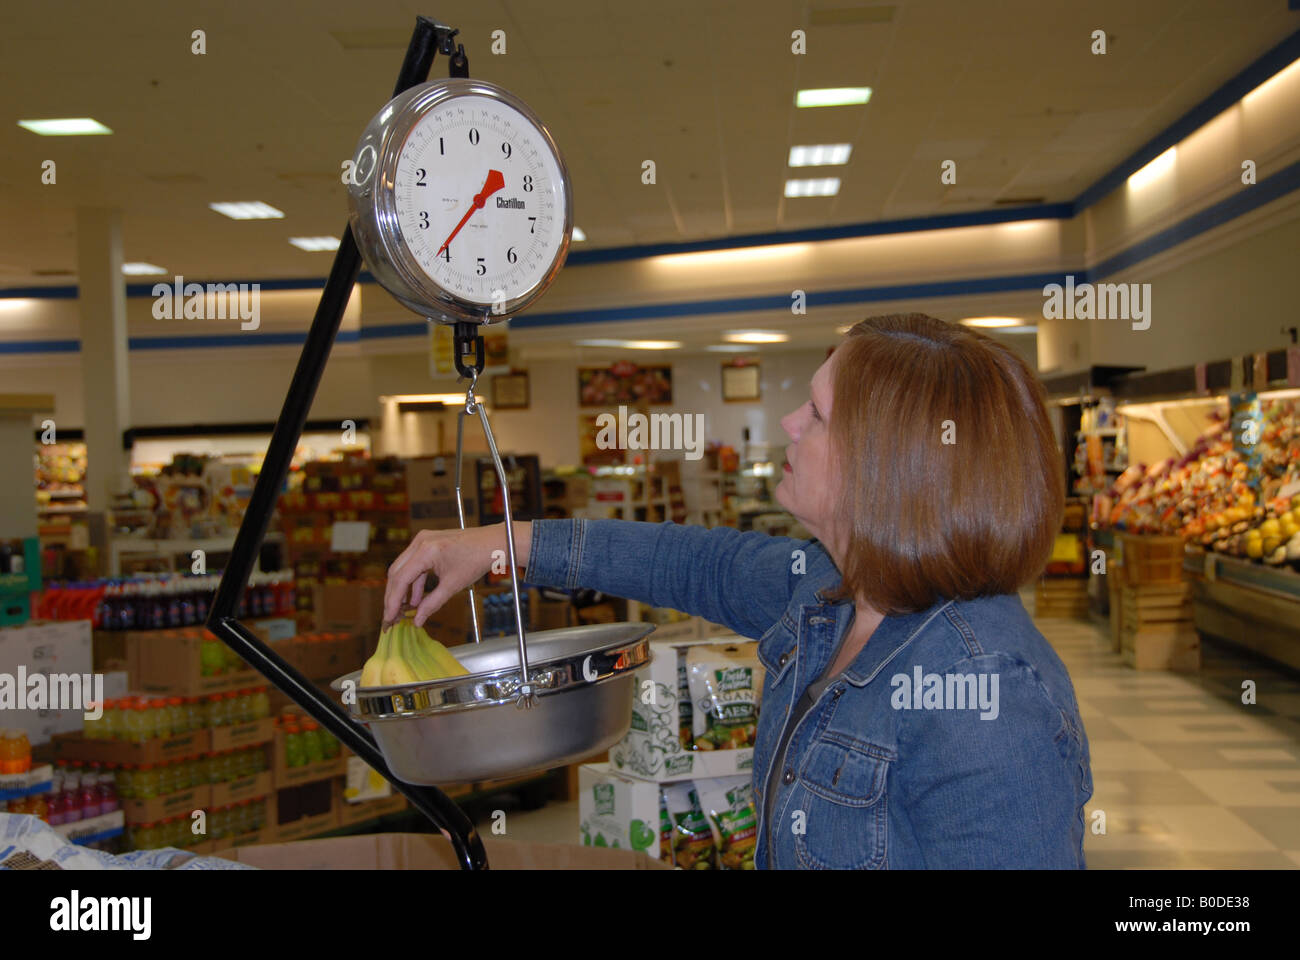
(825, 187)
(832, 97)
(820, 155)
(993, 322)
(578, 235)
(1023, 328)
(247, 210)
(1273, 83)
(730, 348)
(632, 344)
(67, 127)
(755, 336)
(313, 244)
(16, 303)
(1154, 170)
(447, 398)
(141, 269)
(744, 256)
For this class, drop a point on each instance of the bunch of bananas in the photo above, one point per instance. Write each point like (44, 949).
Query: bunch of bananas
(406, 654)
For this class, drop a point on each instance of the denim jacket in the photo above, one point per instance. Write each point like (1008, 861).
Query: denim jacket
(952, 740)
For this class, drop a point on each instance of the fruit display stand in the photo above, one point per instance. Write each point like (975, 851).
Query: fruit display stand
(1248, 604)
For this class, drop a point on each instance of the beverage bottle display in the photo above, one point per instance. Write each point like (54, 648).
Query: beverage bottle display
(160, 721)
(195, 716)
(15, 751)
(177, 718)
(232, 660)
(295, 754)
(71, 796)
(311, 740)
(125, 781)
(90, 795)
(233, 707)
(189, 609)
(109, 725)
(172, 598)
(144, 836)
(261, 704)
(218, 822)
(92, 728)
(57, 806)
(244, 699)
(137, 722)
(329, 744)
(211, 658)
(108, 801)
(146, 782)
(217, 711)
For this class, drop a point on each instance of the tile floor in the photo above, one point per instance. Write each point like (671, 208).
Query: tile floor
(1187, 776)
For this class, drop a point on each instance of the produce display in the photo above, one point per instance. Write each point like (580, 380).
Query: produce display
(406, 654)
(723, 686)
(1211, 496)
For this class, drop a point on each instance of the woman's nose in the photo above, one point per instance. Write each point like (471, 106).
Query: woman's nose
(789, 423)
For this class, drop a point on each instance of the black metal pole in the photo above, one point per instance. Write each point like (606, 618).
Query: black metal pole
(426, 41)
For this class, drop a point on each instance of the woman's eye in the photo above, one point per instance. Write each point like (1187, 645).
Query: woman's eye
(813, 407)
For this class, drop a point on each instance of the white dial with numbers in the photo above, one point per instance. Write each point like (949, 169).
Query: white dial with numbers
(462, 207)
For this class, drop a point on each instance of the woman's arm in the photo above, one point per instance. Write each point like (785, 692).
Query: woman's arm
(741, 580)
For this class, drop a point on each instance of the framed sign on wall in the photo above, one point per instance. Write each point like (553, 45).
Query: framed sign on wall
(740, 381)
(510, 390)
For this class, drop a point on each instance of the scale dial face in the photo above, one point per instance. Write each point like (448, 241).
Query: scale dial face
(463, 209)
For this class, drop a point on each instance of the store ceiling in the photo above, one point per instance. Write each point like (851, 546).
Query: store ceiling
(1007, 88)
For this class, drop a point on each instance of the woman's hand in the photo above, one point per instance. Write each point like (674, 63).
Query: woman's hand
(456, 558)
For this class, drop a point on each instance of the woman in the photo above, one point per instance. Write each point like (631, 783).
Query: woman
(912, 715)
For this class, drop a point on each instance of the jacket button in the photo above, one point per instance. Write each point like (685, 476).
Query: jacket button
(836, 694)
(789, 776)
(784, 659)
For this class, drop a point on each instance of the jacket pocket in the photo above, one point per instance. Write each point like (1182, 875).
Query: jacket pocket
(777, 649)
(841, 791)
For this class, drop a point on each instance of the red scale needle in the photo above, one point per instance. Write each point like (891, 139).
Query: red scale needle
(491, 185)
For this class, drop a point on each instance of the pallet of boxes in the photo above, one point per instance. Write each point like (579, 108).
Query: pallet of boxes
(679, 785)
(1156, 629)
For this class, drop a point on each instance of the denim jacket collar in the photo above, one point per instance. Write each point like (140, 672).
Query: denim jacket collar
(889, 638)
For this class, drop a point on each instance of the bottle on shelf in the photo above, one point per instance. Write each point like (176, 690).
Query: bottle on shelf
(71, 796)
(261, 703)
(57, 804)
(311, 741)
(90, 793)
(160, 721)
(177, 718)
(295, 753)
(15, 751)
(218, 713)
(108, 801)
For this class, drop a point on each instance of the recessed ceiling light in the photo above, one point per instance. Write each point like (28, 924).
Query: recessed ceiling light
(632, 344)
(16, 303)
(755, 336)
(730, 348)
(1023, 328)
(315, 243)
(67, 127)
(141, 269)
(447, 398)
(820, 154)
(247, 210)
(825, 187)
(832, 97)
(993, 322)
(578, 235)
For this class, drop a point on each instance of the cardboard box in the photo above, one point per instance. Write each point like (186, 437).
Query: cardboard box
(284, 775)
(75, 747)
(417, 851)
(554, 614)
(431, 492)
(239, 735)
(169, 662)
(179, 804)
(349, 607)
(325, 656)
(351, 812)
(618, 812)
(451, 623)
(304, 827)
(49, 648)
(245, 788)
(652, 748)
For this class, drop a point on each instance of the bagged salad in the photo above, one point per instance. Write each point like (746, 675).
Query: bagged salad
(725, 685)
(693, 845)
(729, 804)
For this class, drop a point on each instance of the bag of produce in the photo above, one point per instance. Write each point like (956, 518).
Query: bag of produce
(729, 803)
(693, 846)
(725, 685)
(685, 709)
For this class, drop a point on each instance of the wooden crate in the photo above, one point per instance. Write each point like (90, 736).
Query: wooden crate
(1150, 559)
(1170, 646)
(1061, 597)
(1157, 632)
(1115, 587)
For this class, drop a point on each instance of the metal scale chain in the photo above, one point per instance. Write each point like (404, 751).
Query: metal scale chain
(467, 339)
